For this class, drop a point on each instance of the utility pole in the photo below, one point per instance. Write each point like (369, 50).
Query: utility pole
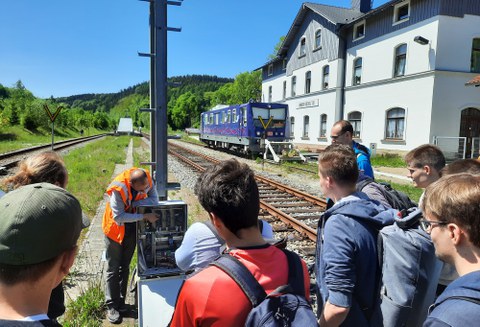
(158, 91)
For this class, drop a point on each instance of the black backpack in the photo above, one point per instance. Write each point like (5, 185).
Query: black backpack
(285, 306)
(397, 199)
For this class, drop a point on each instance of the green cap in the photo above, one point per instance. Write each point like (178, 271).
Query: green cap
(38, 222)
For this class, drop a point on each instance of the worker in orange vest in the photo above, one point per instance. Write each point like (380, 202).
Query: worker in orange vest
(129, 190)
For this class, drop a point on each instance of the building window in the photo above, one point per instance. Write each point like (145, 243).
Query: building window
(318, 39)
(284, 64)
(357, 71)
(270, 70)
(323, 125)
(302, 47)
(475, 59)
(400, 60)
(306, 123)
(284, 93)
(308, 81)
(326, 73)
(395, 123)
(294, 85)
(355, 118)
(292, 126)
(401, 12)
(359, 31)
(269, 94)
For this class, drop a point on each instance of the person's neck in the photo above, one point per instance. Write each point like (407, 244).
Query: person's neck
(248, 237)
(340, 194)
(467, 260)
(23, 300)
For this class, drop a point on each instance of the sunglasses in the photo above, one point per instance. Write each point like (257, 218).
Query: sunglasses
(334, 137)
(427, 225)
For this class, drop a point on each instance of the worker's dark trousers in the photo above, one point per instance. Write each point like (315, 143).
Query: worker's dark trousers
(118, 262)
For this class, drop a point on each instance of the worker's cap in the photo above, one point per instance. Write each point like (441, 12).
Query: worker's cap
(37, 223)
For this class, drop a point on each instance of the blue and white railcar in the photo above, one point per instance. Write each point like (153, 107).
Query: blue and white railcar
(241, 127)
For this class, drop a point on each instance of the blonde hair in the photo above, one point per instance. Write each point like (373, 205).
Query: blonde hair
(454, 199)
(43, 167)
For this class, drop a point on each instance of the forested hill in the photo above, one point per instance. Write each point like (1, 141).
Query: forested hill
(178, 85)
(187, 96)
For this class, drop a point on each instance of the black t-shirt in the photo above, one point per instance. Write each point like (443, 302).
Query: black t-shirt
(19, 323)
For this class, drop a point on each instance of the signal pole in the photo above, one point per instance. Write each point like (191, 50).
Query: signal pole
(158, 91)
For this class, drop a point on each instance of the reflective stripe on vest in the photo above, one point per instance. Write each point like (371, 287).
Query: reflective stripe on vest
(121, 184)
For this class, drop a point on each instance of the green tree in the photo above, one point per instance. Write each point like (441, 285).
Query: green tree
(276, 48)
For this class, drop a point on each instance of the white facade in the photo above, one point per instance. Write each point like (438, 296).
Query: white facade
(431, 92)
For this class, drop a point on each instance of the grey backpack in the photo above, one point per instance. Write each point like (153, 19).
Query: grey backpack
(410, 273)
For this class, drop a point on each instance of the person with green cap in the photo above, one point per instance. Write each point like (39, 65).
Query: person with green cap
(39, 228)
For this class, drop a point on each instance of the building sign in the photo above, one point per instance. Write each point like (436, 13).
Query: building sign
(308, 104)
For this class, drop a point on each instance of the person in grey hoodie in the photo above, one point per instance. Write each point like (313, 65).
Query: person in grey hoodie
(347, 269)
(452, 218)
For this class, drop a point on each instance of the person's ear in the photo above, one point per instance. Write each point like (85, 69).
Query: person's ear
(427, 169)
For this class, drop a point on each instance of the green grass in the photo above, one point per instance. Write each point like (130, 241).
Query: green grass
(87, 310)
(90, 169)
(388, 160)
(17, 137)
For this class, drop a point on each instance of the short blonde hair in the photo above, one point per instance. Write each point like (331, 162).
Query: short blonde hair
(455, 199)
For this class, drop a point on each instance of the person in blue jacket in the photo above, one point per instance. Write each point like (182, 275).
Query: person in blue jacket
(452, 218)
(342, 133)
(347, 267)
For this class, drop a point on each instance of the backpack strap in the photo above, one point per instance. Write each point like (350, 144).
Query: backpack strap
(464, 298)
(242, 276)
(210, 226)
(363, 183)
(295, 273)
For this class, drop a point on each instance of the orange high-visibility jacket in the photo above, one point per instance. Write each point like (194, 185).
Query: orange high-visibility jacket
(121, 184)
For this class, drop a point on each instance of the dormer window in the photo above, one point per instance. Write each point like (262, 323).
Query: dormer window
(302, 51)
(270, 70)
(359, 31)
(401, 12)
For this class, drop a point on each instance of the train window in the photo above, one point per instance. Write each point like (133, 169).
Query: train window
(278, 113)
(217, 119)
(205, 119)
(244, 116)
(234, 116)
(260, 112)
(210, 119)
(228, 117)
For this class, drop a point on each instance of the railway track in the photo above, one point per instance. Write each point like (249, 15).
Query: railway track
(11, 159)
(287, 207)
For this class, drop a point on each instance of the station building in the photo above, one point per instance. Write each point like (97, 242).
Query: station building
(397, 72)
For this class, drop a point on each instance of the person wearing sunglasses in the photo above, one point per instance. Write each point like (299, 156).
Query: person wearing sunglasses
(452, 218)
(342, 133)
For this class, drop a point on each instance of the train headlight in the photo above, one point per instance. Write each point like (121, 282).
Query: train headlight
(281, 133)
(276, 133)
(258, 133)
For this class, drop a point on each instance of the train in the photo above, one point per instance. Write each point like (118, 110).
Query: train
(241, 128)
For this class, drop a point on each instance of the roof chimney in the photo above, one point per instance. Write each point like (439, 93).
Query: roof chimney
(362, 5)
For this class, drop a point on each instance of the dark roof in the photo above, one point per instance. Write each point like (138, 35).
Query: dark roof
(474, 81)
(336, 15)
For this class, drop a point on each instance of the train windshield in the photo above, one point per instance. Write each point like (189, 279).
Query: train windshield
(266, 113)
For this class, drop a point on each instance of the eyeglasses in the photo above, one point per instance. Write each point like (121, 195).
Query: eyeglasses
(334, 137)
(427, 225)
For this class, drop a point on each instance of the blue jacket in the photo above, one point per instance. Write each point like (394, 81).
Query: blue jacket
(347, 271)
(363, 158)
(456, 312)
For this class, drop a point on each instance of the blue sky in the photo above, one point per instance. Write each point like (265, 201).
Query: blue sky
(66, 47)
